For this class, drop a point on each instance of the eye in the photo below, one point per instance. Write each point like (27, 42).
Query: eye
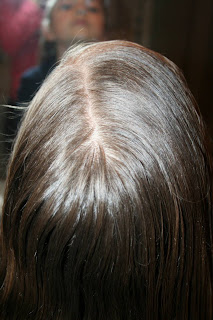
(93, 9)
(66, 6)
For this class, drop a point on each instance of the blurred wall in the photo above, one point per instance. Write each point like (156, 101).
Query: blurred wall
(183, 31)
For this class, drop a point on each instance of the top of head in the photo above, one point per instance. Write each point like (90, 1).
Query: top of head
(113, 105)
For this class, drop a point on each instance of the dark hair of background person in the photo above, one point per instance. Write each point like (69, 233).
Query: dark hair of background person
(108, 203)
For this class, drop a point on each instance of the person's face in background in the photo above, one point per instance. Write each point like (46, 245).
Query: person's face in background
(73, 20)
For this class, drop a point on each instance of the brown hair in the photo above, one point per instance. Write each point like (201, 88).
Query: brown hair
(108, 203)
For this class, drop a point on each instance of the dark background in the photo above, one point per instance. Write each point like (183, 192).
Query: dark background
(183, 31)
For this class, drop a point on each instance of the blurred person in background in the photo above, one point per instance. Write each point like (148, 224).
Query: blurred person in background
(65, 22)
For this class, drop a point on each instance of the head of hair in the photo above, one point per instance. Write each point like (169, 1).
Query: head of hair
(108, 204)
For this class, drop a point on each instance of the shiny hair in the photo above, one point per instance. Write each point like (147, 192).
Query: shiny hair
(108, 204)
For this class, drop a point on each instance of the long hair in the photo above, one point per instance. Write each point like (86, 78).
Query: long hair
(108, 204)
